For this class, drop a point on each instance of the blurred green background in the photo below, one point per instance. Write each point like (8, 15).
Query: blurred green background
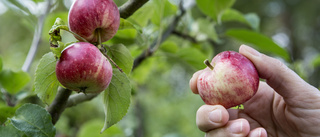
(162, 104)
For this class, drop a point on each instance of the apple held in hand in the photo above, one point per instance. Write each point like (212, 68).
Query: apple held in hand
(230, 80)
(92, 19)
(83, 68)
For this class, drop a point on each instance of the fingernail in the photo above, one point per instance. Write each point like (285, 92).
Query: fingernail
(236, 127)
(251, 50)
(215, 116)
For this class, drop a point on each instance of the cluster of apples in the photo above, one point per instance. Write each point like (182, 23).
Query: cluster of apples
(82, 67)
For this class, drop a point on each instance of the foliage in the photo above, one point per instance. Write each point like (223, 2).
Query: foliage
(152, 97)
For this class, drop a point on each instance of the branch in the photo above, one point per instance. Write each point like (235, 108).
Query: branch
(192, 39)
(128, 8)
(36, 39)
(153, 47)
(79, 98)
(59, 104)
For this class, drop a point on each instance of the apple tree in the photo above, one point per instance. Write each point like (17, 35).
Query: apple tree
(126, 63)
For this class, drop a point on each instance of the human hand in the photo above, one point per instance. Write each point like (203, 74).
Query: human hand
(284, 105)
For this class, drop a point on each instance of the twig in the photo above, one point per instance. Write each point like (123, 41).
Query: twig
(36, 39)
(79, 98)
(59, 104)
(152, 48)
(128, 8)
(192, 39)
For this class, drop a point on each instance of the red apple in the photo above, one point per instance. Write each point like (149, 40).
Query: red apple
(83, 68)
(231, 80)
(87, 18)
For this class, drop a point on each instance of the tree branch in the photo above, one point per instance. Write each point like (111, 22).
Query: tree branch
(152, 48)
(128, 8)
(79, 98)
(36, 39)
(59, 104)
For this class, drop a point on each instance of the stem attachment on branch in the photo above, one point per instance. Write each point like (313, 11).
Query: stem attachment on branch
(208, 64)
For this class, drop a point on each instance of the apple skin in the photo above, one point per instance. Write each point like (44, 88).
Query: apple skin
(233, 80)
(87, 17)
(83, 68)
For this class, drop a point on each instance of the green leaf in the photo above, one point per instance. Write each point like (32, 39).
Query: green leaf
(10, 131)
(260, 41)
(143, 15)
(169, 46)
(233, 15)
(91, 129)
(193, 57)
(214, 8)
(251, 19)
(116, 99)
(162, 9)
(125, 24)
(207, 27)
(46, 83)
(34, 121)
(122, 57)
(6, 112)
(12, 81)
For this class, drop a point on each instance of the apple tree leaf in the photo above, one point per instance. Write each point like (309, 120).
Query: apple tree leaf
(10, 131)
(214, 8)
(192, 56)
(250, 19)
(121, 56)
(34, 121)
(46, 83)
(6, 111)
(260, 41)
(116, 99)
(13, 81)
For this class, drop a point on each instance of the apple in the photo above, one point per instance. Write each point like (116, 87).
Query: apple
(83, 68)
(229, 80)
(92, 19)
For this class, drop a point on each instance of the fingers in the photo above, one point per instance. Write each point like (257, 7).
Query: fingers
(193, 82)
(211, 117)
(234, 128)
(282, 79)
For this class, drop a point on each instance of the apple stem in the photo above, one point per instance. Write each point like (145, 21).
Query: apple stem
(208, 64)
(103, 50)
(83, 39)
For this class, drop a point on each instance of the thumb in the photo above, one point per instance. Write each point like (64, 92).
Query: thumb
(278, 76)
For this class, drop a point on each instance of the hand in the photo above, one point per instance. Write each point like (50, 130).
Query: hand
(284, 105)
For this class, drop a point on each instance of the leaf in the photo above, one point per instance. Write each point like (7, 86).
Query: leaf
(13, 81)
(122, 57)
(10, 131)
(34, 121)
(125, 24)
(233, 15)
(214, 8)
(6, 112)
(251, 19)
(46, 83)
(91, 129)
(116, 99)
(192, 56)
(162, 9)
(143, 14)
(207, 27)
(262, 42)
